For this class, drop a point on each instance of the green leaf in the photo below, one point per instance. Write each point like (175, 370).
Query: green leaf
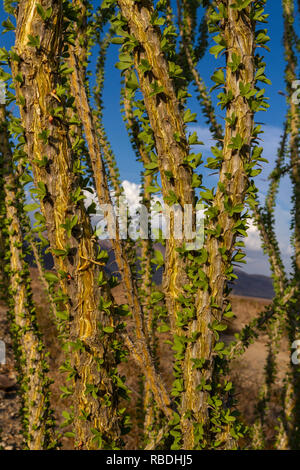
(225, 98)
(158, 259)
(152, 189)
(238, 209)
(216, 50)
(237, 142)
(156, 21)
(60, 252)
(4, 55)
(44, 135)
(261, 37)
(66, 391)
(19, 78)
(196, 181)
(163, 328)
(216, 326)
(108, 329)
(189, 116)
(31, 207)
(156, 89)
(51, 277)
(219, 346)
(194, 140)
(240, 4)
(125, 62)
(62, 315)
(40, 191)
(8, 26)
(107, 4)
(144, 66)
(171, 198)
(151, 166)
(236, 62)
(41, 11)
(34, 41)
(218, 77)
(70, 224)
(132, 82)
(117, 40)
(48, 13)
(247, 91)
(208, 195)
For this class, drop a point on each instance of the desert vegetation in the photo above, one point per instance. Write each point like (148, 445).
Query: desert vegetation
(110, 359)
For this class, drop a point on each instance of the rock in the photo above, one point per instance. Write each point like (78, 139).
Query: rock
(6, 384)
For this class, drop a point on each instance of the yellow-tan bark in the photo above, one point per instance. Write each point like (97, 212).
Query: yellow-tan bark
(239, 37)
(34, 382)
(39, 69)
(169, 134)
(95, 144)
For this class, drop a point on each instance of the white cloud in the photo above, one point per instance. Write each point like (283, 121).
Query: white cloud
(132, 193)
(270, 141)
(253, 241)
(256, 260)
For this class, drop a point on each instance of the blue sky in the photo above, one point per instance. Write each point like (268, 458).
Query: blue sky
(275, 66)
(273, 120)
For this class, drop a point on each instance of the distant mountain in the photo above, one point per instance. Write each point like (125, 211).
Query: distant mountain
(253, 285)
(247, 285)
(47, 260)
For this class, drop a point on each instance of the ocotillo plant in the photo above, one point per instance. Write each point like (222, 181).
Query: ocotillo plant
(29, 349)
(64, 154)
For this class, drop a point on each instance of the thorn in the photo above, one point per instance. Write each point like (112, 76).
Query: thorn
(53, 93)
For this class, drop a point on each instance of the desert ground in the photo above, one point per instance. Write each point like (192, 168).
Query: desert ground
(246, 372)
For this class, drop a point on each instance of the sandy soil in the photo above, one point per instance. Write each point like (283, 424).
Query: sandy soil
(246, 372)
